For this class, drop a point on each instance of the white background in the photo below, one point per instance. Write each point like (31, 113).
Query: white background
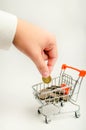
(67, 20)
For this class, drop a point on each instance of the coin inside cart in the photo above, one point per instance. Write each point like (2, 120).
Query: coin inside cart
(47, 80)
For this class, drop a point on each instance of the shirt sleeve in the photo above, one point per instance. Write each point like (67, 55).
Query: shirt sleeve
(8, 25)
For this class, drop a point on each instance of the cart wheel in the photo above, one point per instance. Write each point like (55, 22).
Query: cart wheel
(77, 114)
(47, 120)
(62, 103)
(39, 111)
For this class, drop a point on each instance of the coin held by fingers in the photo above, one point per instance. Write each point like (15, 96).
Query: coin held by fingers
(46, 79)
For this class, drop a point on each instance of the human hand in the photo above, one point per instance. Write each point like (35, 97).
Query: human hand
(38, 44)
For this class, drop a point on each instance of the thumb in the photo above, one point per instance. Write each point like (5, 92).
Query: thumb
(42, 66)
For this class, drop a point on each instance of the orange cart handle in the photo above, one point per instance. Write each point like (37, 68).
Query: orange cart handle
(82, 73)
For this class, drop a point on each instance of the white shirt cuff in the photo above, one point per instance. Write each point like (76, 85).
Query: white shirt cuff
(8, 25)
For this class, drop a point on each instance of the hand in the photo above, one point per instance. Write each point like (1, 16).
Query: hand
(38, 44)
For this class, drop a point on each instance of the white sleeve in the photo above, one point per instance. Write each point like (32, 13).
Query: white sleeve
(8, 25)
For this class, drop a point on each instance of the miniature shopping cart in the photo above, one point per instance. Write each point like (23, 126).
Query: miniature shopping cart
(59, 91)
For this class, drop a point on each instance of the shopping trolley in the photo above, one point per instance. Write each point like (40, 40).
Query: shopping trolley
(60, 90)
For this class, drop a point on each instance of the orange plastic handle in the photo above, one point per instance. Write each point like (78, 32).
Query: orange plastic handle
(82, 73)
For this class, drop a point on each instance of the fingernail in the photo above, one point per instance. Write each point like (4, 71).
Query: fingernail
(45, 74)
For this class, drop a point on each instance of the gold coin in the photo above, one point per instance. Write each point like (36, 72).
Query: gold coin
(47, 80)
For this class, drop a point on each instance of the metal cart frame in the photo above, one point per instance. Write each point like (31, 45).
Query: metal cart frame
(60, 90)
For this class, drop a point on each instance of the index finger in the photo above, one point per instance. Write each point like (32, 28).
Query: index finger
(52, 56)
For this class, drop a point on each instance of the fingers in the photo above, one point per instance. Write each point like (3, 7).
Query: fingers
(45, 57)
(50, 56)
(52, 53)
(42, 65)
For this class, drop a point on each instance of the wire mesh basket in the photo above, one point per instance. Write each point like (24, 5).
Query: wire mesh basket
(60, 90)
